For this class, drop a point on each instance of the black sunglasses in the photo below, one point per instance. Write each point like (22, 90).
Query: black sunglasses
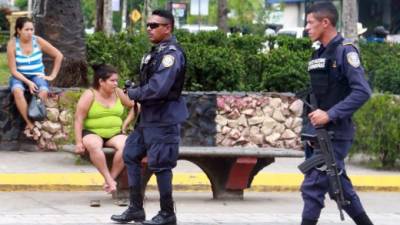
(155, 25)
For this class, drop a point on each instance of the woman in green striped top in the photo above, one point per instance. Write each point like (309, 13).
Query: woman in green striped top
(99, 122)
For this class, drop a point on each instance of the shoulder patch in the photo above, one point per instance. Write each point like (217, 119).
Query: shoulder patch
(168, 60)
(353, 59)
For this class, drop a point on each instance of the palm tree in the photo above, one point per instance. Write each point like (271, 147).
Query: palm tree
(61, 23)
(223, 15)
(350, 18)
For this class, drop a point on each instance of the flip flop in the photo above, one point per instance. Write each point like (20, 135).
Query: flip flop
(94, 203)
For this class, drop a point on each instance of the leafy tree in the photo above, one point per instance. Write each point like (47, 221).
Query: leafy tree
(22, 4)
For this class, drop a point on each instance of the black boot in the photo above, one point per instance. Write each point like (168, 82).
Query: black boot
(135, 211)
(162, 218)
(362, 219)
(167, 215)
(308, 222)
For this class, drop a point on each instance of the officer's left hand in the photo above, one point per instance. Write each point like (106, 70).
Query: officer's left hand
(318, 117)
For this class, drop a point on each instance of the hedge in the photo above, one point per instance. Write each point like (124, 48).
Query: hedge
(242, 63)
(378, 129)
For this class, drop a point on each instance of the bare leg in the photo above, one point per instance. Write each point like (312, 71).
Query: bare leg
(118, 143)
(22, 106)
(94, 144)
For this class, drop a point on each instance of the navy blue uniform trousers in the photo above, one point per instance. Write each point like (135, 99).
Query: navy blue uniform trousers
(316, 185)
(161, 146)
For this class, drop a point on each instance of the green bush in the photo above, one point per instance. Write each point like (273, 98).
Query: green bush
(378, 129)
(121, 50)
(285, 71)
(382, 65)
(213, 68)
(242, 63)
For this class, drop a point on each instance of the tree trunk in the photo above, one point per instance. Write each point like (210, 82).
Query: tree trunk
(107, 13)
(350, 19)
(124, 12)
(222, 15)
(99, 16)
(61, 23)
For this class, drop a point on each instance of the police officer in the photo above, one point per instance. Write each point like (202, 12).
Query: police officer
(339, 87)
(162, 111)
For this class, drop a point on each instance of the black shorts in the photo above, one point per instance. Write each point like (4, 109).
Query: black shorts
(86, 132)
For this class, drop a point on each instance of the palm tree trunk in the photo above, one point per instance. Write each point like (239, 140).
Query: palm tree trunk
(222, 15)
(350, 19)
(61, 24)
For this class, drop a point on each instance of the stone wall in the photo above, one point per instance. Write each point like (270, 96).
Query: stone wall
(243, 119)
(216, 119)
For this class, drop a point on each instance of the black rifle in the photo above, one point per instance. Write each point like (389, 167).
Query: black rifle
(322, 138)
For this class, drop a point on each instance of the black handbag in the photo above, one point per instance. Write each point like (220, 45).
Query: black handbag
(37, 109)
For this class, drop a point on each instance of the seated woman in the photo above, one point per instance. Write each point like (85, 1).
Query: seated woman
(99, 122)
(24, 53)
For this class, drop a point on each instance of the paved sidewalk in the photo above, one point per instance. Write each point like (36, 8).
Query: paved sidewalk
(58, 171)
(275, 208)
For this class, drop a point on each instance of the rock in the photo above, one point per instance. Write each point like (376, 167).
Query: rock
(51, 103)
(297, 130)
(268, 110)
(266, 130)
(259, 112)
(221, 120)
(255, 120)
(46, 135)
(254, 130)
(242, 121)
(288, 134)
(257, 139)
(279, 128)
(38, 124)
(297, 122)
(269, 122)
(52, 114)
(227, 142)
(42, 143)
(296, 107)
(233, 123)
(275, 102)
(36, 133)
(234, 134)
(65, 117)
(291, 144)
(288, 122)
(51, 127)
(51, 146)
(249, 112)
(234, 114)
(225, 130)
(272, 138)
(59, 136)
(278, 116)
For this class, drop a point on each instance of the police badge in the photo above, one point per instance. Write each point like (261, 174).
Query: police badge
(353, 59)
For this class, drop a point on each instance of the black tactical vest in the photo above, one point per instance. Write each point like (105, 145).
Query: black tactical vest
(150, 64)
(327, 84)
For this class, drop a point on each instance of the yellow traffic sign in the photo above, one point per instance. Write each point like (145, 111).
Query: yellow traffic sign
(135, 15)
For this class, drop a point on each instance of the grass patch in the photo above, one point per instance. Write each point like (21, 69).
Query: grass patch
(4, 72)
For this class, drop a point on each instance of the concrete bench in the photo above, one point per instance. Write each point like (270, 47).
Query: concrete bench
(229, 169)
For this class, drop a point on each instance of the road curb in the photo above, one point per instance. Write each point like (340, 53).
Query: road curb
(263, 182)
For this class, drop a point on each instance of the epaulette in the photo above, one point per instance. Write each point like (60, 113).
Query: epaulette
(172, 47)
(348, 42)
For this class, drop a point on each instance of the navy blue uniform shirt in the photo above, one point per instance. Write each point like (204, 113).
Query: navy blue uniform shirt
(347, 62)
(166, 112)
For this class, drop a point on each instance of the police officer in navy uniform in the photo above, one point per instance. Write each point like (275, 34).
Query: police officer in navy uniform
(163, 109)
(340, 88)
